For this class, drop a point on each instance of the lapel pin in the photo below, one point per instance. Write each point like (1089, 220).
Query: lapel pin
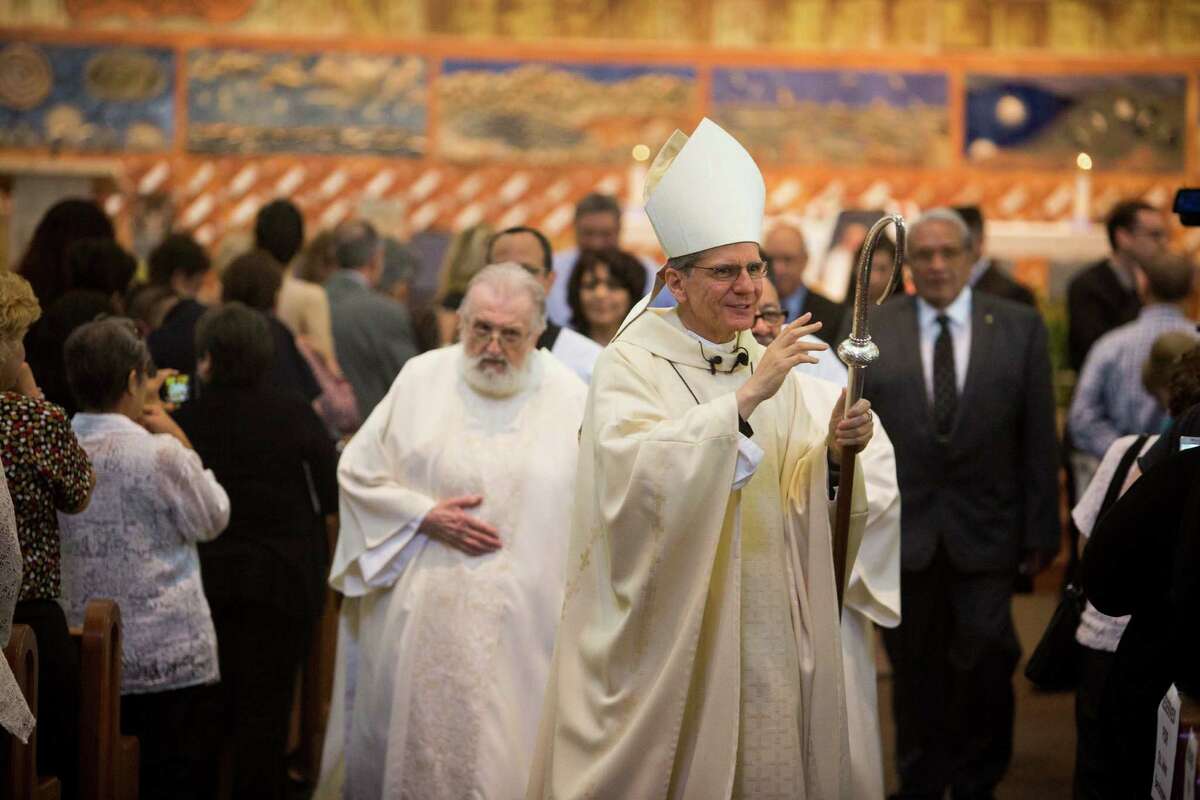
(988, 319)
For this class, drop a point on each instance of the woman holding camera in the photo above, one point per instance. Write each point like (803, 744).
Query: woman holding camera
(136, 543)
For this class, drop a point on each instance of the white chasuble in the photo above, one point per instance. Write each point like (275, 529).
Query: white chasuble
(443, 656)
(699, 653)
(872, 596)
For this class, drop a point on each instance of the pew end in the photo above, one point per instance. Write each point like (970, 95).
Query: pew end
(108, 761)
(21, 781)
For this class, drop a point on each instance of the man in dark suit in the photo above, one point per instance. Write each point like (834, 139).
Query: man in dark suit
(372, 333)
(787, 255)
(1104, 295)
(986, 273)
(963, 380)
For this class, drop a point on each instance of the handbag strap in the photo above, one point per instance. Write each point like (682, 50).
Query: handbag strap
(1071, 580)
(1118, 478)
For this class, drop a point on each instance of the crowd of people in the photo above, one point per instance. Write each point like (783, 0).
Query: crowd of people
(189, 440)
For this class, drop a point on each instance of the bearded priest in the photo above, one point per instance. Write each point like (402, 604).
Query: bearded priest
(699, 654)
(455, 504)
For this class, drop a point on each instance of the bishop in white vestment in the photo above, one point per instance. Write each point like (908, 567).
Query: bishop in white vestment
(699, 654)
(455, 507)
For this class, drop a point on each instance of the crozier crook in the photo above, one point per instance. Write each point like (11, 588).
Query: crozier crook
(858, 352)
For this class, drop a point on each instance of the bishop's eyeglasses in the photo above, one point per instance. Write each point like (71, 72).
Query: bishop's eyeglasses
(728, 273)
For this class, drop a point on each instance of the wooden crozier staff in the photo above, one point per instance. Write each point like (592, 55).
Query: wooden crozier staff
(859, 352)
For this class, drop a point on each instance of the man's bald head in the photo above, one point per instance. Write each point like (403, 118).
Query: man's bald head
(787, 254)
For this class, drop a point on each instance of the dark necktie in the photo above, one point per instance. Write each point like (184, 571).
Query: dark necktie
(945, 387)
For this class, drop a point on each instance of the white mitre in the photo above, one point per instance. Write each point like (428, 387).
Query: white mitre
(702, 191)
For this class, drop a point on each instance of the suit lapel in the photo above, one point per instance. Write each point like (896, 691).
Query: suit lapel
(907, 353)
(982, 338)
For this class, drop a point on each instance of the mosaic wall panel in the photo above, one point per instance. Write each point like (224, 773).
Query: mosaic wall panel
(1124, 122)
(245, 101)
(823, 117)
(552, 112)
(1135, 27)
(86, 99)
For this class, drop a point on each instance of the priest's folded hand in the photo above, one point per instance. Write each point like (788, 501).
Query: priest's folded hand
(788, 350)
(849, 430)
(450, 523)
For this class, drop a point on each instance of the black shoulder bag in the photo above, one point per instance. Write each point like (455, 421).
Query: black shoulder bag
(1054, 665)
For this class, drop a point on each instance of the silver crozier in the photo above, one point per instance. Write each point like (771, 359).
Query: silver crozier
(859, 352)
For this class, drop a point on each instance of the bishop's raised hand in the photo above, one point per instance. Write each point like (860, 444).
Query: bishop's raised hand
(789, 349)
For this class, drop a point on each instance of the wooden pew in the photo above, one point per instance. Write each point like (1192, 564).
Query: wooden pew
(108, 761)
(21, 781)
(311, 712)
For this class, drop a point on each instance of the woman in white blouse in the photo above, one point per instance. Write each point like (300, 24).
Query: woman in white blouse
(136, 543)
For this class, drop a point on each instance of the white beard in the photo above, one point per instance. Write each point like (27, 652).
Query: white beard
(490, 383)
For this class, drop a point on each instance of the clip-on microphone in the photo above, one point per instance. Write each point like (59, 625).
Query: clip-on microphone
(743, 358)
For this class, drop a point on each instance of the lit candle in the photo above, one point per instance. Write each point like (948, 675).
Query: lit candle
(1083, 191)
(636, 179)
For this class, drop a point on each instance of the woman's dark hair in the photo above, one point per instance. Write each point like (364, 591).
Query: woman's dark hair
(623, 268)
(178, 252)
(279, 229)
(99, 357)
(44, 264)
(1183, 384)
(254, 279)
(101, 265)
(238, 342)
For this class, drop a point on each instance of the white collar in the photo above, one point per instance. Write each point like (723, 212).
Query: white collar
(727, 347)
(959, 311)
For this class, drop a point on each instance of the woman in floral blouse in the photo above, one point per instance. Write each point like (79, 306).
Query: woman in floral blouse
(47, 471)
(136, 543)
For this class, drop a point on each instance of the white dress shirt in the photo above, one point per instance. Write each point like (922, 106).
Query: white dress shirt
(578, 352)
(959, 313)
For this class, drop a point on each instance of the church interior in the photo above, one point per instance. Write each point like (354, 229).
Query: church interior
(443, 123)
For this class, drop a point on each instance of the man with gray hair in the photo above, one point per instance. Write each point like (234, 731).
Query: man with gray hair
(455, 506)
(963, 384)
(372, 333)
